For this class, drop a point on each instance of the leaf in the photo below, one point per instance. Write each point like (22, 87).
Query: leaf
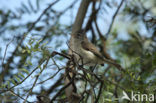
(39, 67)
(108, 100)
(133, 76)
(40, 40)
(36, 46)
(29, 62)
(20, 74)
(31, 6)
(17, 78)
(23, 51)
(28, 51)
(25, 64)
(44, 44)
(109, 93)
(8, 84)
(37, 3)
(3, 86)
(27, 47)
(138, 78)
(13, 81)
(25, 70)
(25, 8)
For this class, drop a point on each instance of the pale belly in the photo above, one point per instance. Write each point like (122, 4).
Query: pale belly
(87, 58)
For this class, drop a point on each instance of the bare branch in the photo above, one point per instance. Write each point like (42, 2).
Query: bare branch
(6, 51)
(63, 88)
(113, 18)
(100, 91)
(36, 79)
(80, 16)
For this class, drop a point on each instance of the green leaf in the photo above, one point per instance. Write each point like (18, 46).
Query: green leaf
(44, 44)
(3, 86)
(29, 62)
(23, 51)
(17, 78)
(25, 64)
(13, 81)
(108, 100)
(29, 51)
(39, 40)
(8, 84)
(20, 74)
(108, 93)
(36, 46)
(25, 70)
(138, 78)
(27, 48)
(40, 67)
(133, 76)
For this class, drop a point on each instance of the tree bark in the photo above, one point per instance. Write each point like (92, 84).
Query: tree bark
(70, 92)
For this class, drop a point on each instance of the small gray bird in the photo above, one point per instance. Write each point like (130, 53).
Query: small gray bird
(85, 51)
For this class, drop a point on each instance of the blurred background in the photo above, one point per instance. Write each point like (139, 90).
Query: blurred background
(30, 30)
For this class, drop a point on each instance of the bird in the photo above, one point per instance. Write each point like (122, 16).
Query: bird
(86, 52)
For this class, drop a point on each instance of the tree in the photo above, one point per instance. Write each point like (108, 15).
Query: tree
(37, 64)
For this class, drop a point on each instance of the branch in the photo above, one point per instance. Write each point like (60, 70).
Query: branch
(18, 96)
(113, 18)
(6, 51)
(63, 88)
(100, 91)
(80, 16)
(92, 17)
(76, 28)
(23, 79)
(36, 80)
(55, 85)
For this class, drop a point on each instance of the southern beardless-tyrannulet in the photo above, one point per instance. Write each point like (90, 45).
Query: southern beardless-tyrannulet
(85, 51)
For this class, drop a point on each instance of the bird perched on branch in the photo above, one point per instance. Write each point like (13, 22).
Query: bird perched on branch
(85, 52)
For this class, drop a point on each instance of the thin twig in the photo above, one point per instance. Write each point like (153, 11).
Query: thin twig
(55, 85)
(63, 88)
(57, 53)
(113, 18)
(18, 95)
(100, 91)
(36, 79)
(23, 79)
(49, 78)
(6, 50)
(31, 88)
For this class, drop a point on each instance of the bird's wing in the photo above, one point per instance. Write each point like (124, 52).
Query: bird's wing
(90, 47)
